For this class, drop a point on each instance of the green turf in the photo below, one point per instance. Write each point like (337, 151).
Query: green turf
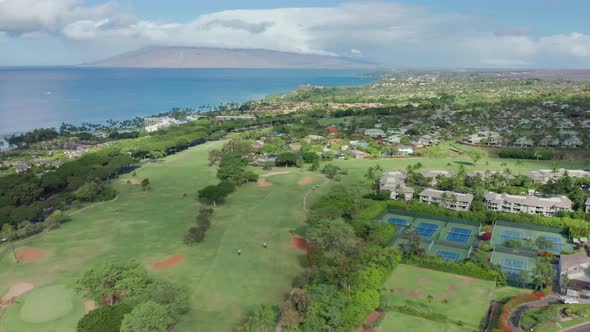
(46, 304)
(149, 227)
(398, 322)
(468, 298)
(503, 294)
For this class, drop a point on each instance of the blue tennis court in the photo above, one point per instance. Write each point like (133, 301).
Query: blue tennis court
(458, 234)
(556, 242)
(426, 229)
(398, 222)
(511, 235)
(512, 267)
(448, 255)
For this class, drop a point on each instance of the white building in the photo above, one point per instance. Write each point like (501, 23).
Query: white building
(575, 267)
(544, 175)
(154, 124)
(394, 182)
(234, 117)
(447, 199)
(405, 149)
(547, 206)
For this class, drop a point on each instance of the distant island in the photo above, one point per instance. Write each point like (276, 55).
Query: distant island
(204, 57)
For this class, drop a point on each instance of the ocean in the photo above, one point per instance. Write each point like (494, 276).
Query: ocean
(45, 97)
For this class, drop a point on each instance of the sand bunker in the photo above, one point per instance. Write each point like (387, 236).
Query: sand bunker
(29, 254)
(305, 180)
(300, 243)
(89, 305)
(132, 181)
(14, 291)
(263, 182)
(417, 293)
(168, 262)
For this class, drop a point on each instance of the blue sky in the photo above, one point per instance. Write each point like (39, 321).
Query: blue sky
(419, 33)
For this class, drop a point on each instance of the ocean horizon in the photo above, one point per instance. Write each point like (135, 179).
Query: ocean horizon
(43, 97)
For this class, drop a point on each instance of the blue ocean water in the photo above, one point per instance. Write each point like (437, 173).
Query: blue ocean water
(45, 97)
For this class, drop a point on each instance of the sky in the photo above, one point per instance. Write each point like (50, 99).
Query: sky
(403, 33)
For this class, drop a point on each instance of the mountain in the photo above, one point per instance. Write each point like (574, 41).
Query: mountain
(205, 57)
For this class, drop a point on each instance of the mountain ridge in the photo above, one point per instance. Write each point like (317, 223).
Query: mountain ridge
(210, 57)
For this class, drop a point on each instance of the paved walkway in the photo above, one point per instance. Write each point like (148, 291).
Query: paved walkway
(519, 311)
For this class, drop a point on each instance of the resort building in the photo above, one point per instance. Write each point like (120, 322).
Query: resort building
(527, 204)
(154, 124)
(394, 182)
(544, 175)
(574, 278)
(234, 117)
(447, 199)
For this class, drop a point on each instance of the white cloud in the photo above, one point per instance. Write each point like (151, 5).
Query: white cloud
(26, 16)
(390, 33)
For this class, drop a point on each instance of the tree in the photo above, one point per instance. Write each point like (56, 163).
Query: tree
(55, 219)
(309, 157)
(523, 278)
(543, 243)
(315, 165)
(145, 184)
(413, 244)
(330, 171)
(216, 193)
(475, 156)
(239, 147)
(542, 275)
(260, 319)
(194, 234)
(89, 191)
(214, 157)
(104, 319)
(267, 165)
(113, 280)
(330, 234)
(147, 317)
(290, 317)
(299, 162)
(286, 159)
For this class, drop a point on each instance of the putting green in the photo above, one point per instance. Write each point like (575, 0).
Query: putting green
(46, 304)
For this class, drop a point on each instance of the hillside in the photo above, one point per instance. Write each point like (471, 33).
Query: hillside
(202, 57)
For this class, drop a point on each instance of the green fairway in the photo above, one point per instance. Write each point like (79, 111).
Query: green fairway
(463, 300)
(398, 322)
(46, 304)
(149, 227)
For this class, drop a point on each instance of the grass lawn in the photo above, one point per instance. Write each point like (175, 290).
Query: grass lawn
(552, 318)
(398, 322)
(446, 157)
(149, 227)
(467, 299)
(503, 294)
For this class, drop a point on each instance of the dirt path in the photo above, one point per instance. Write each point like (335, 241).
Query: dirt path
(306, 196)
(93, 205)
(263, 182)
(14, 291)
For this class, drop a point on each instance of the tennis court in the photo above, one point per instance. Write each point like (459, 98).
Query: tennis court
(448, 255)
(449, 238)
(533, 237)
(513, 262)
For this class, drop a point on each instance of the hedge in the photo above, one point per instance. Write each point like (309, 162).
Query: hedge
(468, 269)
(104, 319)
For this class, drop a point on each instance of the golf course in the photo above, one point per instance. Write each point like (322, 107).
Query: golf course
(148, 226)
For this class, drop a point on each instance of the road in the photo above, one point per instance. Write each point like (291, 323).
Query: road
(520, 310)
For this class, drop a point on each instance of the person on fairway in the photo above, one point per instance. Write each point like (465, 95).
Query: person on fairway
(264, 245)
(239, 252)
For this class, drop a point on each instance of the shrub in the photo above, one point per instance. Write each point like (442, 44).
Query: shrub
(486, 236)
(104, 319)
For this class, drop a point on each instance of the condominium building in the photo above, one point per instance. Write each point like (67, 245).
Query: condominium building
(547, 206)
(544, 175)
(394, 182)
(447, 199)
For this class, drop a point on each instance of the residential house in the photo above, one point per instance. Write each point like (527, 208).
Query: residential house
(447, 199)
(234, 117)
(547, 206)
(358, 144)
(394, 139)
(405, 150)
(357, 154)
(549, 141)
(374, 133)
(394, 182)
(22, 167)
(574, 274)
(482, 137)
(523, 142)
(313, 138)
(573, 142)
(432, 174)
(333, 131)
